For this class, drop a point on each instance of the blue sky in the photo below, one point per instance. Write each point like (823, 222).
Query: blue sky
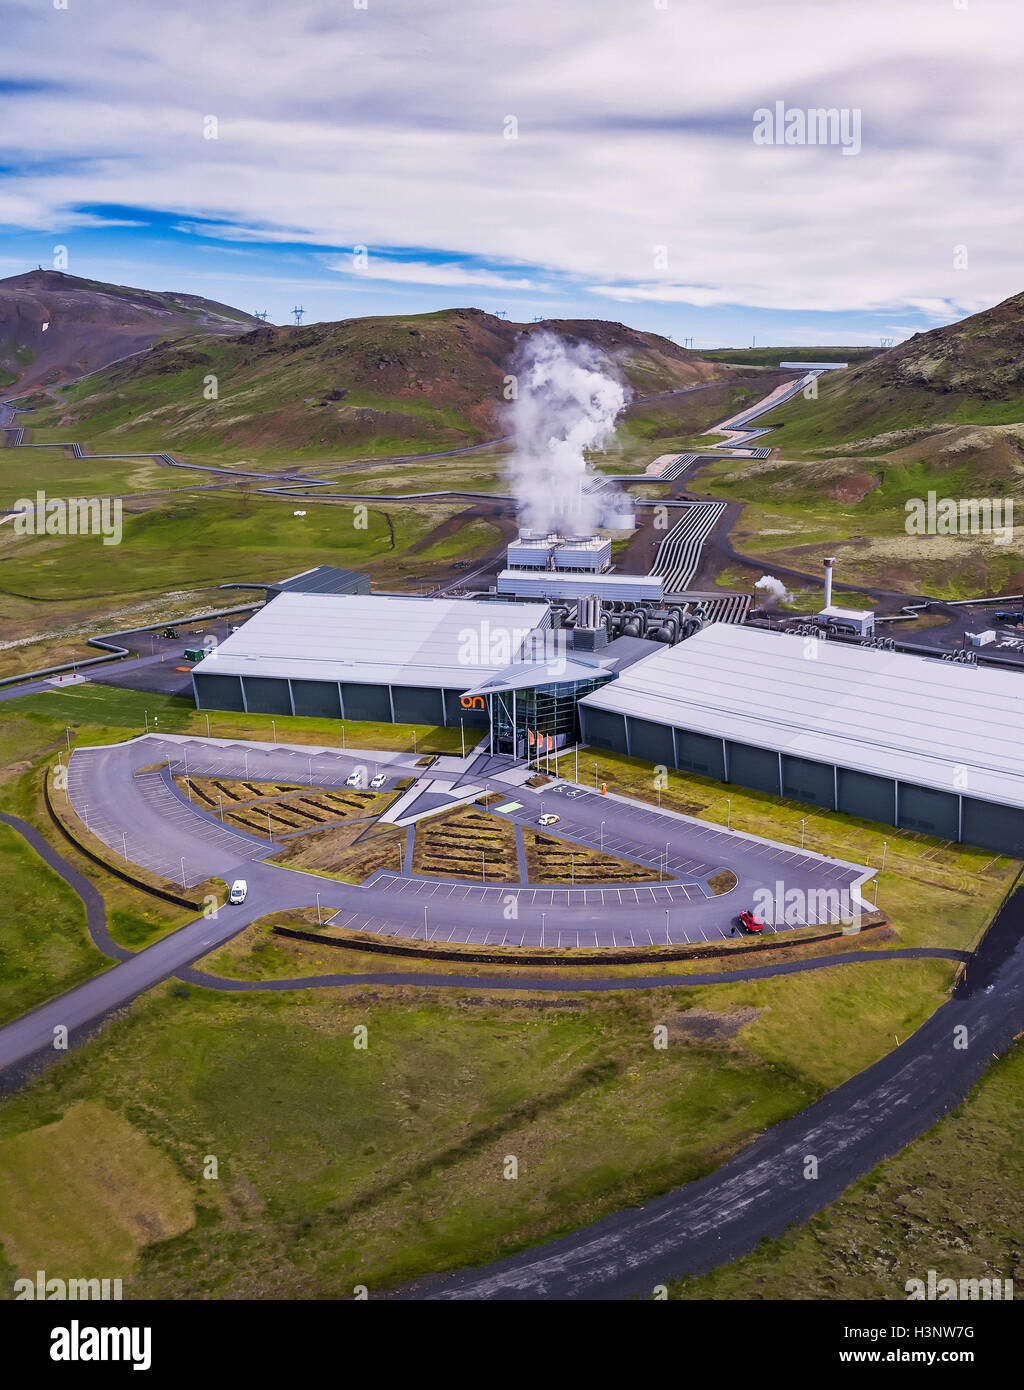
(594, 159)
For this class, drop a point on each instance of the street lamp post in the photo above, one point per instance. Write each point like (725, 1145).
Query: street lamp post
(543, 915)
(885, 846)
(220, 808)
(595, 775)
(318, 922)
(462, 731)
(602, 837)
(424, 921)
(85, 817)
(273, 725)
(124, 846)
(270, 833)
(803, 827)
(208, 735)
(183, 884)
(146, 716)
(668, 939)
(728, 823)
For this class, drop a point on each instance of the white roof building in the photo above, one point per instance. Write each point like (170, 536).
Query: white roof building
(944, 725)
(378, 639)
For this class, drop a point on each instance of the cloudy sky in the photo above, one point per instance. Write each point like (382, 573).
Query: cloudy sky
(548, 158)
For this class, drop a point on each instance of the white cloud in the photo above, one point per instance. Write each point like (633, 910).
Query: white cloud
(385, 127)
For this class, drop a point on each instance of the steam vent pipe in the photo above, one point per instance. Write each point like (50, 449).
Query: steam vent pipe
(829, 565)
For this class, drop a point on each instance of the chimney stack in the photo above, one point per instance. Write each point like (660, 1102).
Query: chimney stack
(829, 563)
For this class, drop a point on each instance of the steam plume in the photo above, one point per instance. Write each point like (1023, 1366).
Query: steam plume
(565, 404)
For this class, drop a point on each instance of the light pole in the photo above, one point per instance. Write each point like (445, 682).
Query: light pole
(595, 776)
(728, 823)
(85, 817)
(414, 741)
(803, 827)
(542, 917)
(577, 777)
(246, 756)
(220, 808)
(318, 922)
(885, 846)
(67, 731)
(145, 713)
(270, 833)
(668, 939)
(343, 737)
(273, 725)
(572, 870)
(602, 837)
(183, 884)
(208, 735)
(424, 921)
(310, 761)
(462, 731)
(124, 846)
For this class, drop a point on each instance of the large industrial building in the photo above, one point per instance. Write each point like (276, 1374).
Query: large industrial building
(923, 744)
(357, 656)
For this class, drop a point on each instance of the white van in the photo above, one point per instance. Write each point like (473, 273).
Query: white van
(238, 891)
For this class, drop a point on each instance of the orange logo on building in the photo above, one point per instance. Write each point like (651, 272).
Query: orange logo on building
(472, 701)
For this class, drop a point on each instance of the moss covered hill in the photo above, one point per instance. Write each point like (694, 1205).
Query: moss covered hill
(971, 372)
(55, 326)
(371, 385)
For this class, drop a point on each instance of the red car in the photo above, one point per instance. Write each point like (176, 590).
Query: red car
(749, 923)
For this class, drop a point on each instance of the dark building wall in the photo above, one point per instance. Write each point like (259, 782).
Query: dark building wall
(652, 742)
(701, 754)
(473, 716)
(218, 692)
(603, 729)
(1000, 828)
(804, 780)
(317, 698)
(930, 812)
(757, 768)
(866, 796)
(266, 695)
(365, 702)
(417, 704)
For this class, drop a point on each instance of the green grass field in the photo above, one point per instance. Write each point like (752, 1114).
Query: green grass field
(341, 1166)
(46, 946)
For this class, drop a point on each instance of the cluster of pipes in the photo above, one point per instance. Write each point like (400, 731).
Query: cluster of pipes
(669, 623)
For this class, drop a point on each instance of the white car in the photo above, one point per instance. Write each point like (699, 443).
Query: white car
(548, 820)
(354, 779)
(238, 891)
(379, 780)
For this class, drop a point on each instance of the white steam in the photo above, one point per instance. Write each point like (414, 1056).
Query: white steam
(774, 587)
(565, 404)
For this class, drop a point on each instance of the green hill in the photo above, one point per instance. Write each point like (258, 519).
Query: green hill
(54, 327)
(970, 372)
(373, 386)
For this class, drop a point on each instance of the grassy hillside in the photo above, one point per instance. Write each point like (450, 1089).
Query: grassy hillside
(55, 326)
(372, 386)
(772, 356)
(971, 372)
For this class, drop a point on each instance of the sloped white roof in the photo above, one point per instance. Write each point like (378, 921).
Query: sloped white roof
(940, 724)
(377, 639)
